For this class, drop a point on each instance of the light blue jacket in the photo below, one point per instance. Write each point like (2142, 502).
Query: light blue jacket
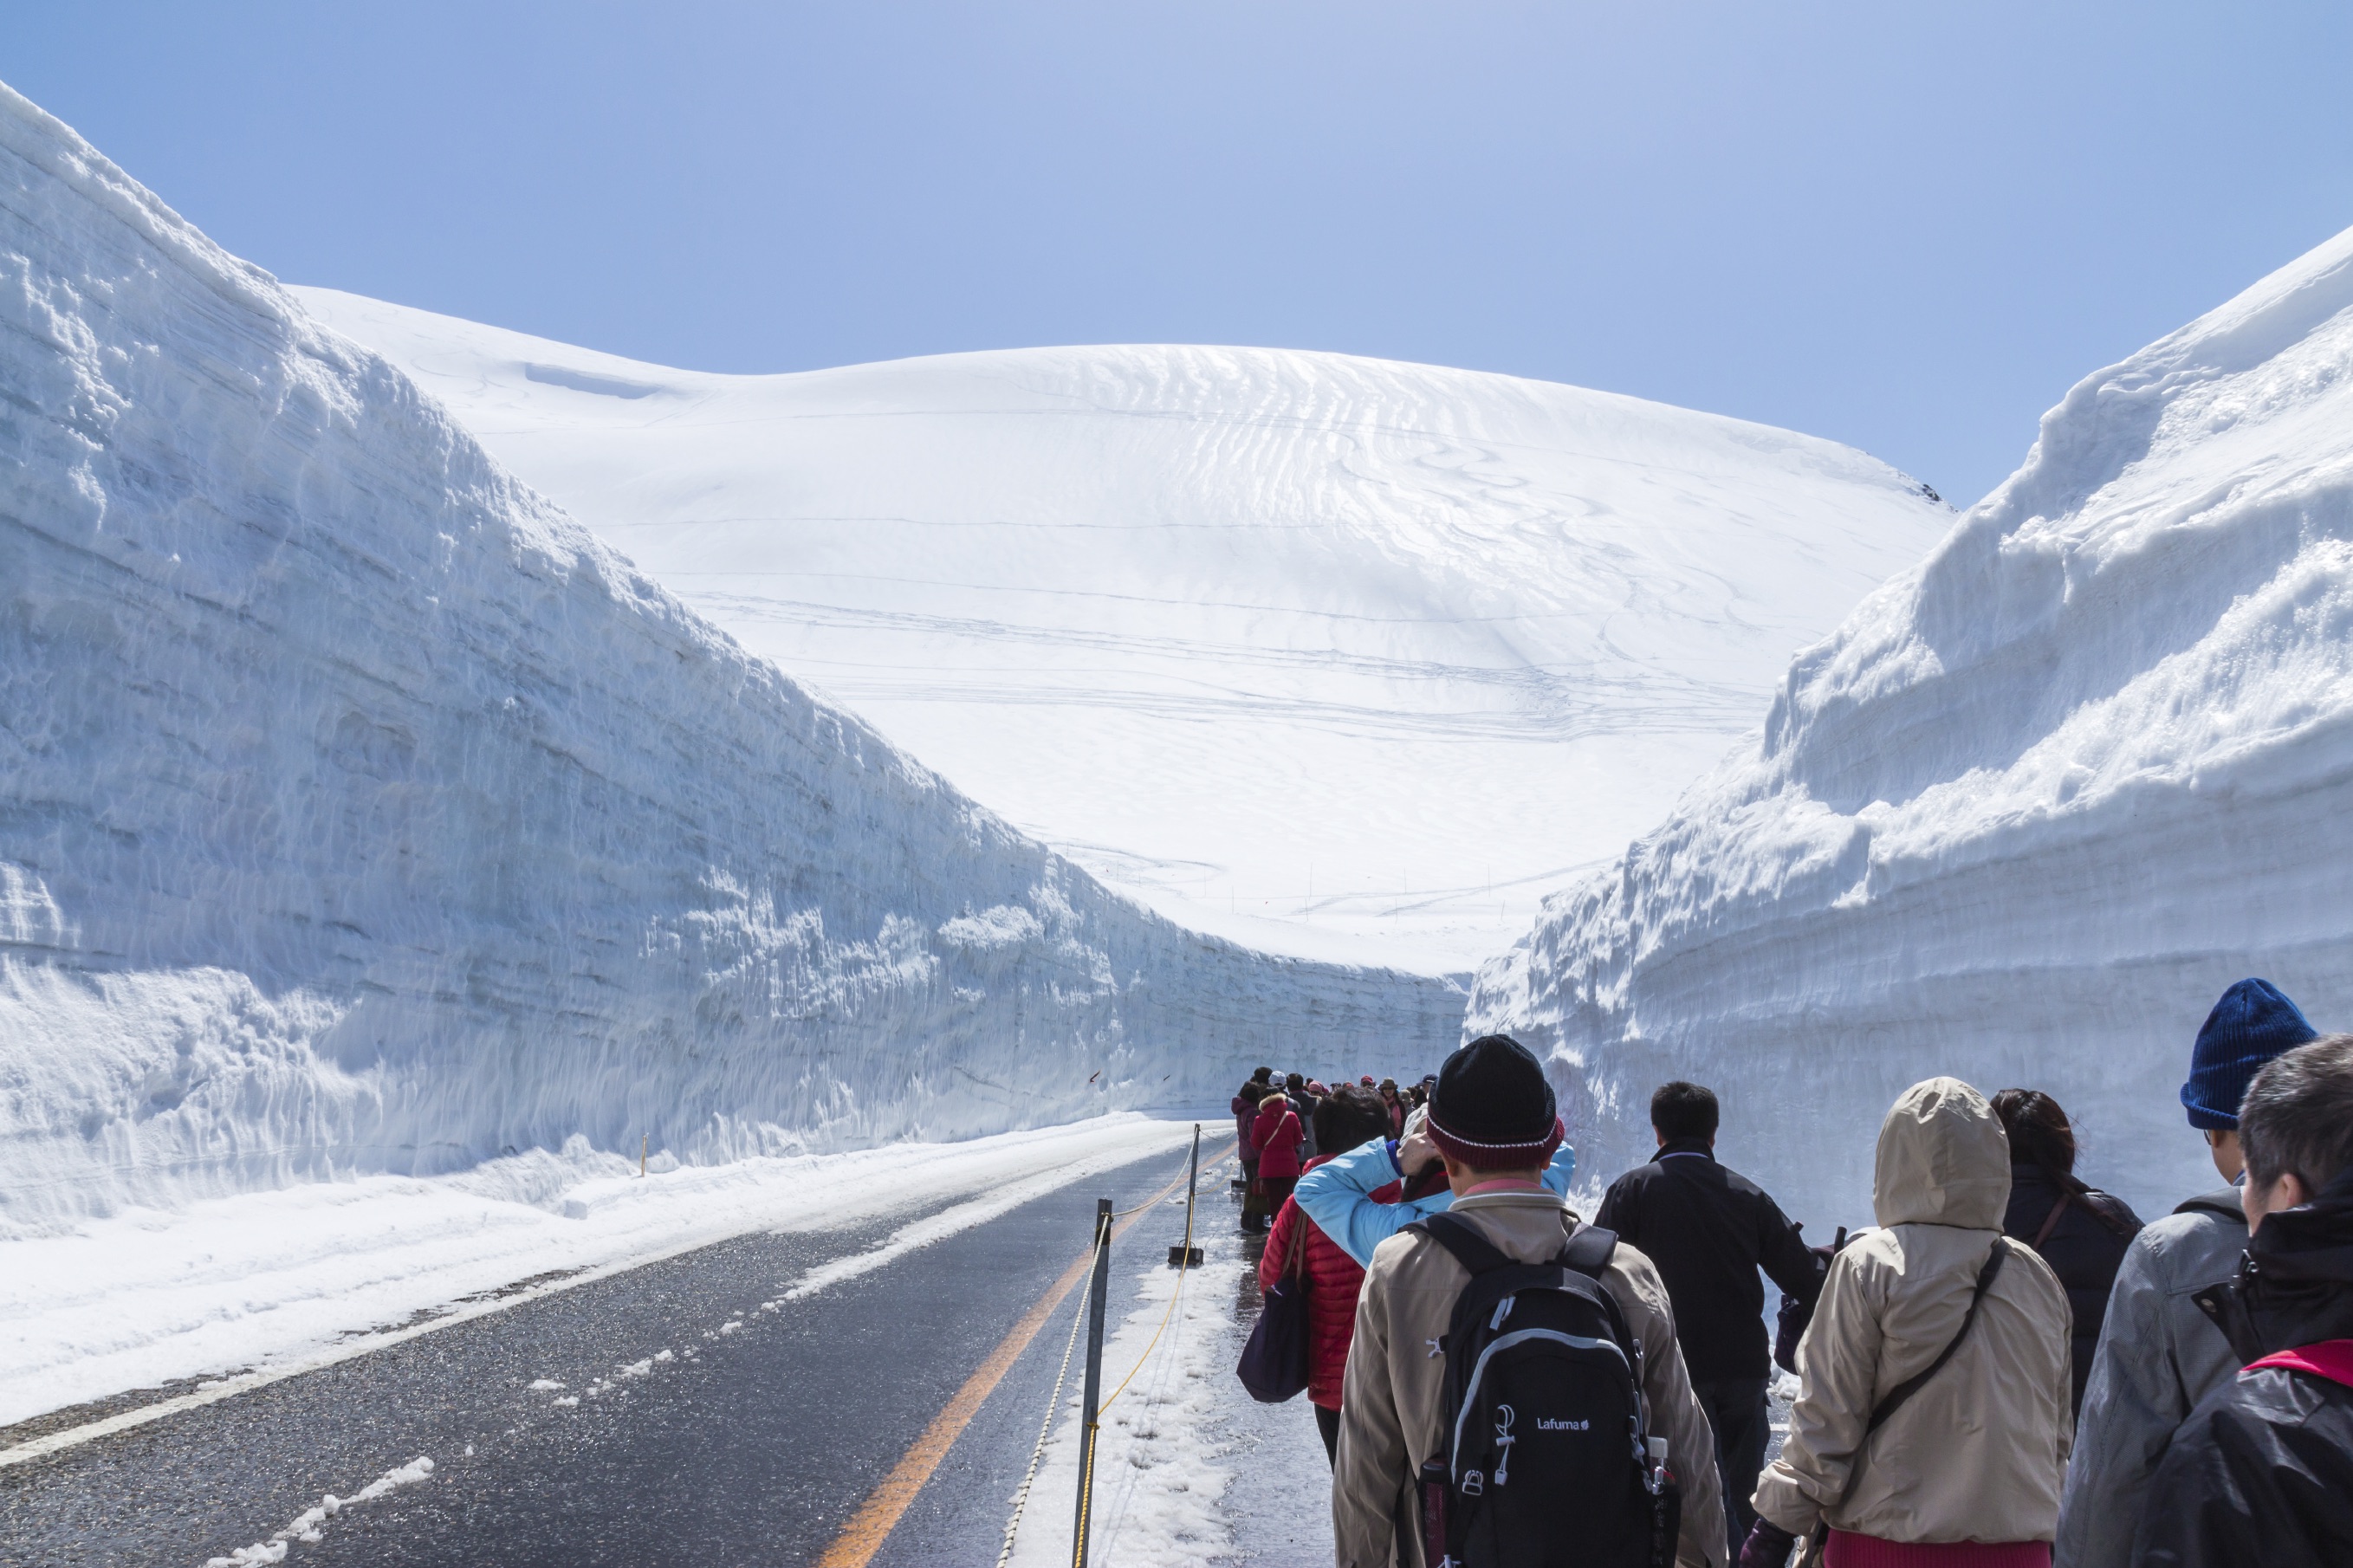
(1338, 1196)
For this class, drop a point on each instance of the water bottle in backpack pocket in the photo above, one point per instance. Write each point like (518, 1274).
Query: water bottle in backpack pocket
(1545, 1460)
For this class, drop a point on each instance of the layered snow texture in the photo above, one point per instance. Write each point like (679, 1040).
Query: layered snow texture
(2030, 811)
(359, 812)
(1335, 656)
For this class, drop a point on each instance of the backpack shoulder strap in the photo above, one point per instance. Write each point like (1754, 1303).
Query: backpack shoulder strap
(1588, 1251)
(1913, 1385)
(1476, 1254)
(2224, 1202)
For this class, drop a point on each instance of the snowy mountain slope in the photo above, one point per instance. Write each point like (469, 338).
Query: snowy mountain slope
(360, 812)
(1335, 656)
(2034, 805)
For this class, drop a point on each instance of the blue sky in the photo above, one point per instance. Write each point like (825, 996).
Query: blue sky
(1907, 227)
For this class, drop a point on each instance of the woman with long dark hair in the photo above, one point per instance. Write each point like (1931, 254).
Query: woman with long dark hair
(2080, 1231)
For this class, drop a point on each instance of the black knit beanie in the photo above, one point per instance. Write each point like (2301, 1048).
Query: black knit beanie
(1492, 1109)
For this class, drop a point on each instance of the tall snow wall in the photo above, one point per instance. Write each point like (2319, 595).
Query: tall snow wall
(359, 812)
(2029, 811)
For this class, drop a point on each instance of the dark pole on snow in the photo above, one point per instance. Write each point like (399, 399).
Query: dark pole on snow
(1097, 1293)
(1185, 1254)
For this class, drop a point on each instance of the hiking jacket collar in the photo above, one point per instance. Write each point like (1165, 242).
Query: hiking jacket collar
(2312, 1241)
(1679, 1146)
(2295, 1286)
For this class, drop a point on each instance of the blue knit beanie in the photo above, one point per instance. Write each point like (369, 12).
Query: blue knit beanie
(2252, 1024)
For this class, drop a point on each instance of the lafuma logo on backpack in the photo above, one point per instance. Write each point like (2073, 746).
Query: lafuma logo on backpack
(1556, 1424)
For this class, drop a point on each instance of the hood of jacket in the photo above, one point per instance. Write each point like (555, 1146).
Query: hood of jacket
(1943, 1160)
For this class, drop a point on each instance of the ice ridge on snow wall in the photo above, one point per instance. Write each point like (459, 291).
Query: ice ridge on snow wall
(360, 812)
(2029, 811)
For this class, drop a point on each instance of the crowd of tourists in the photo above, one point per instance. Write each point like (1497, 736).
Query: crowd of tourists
(2009, 1368)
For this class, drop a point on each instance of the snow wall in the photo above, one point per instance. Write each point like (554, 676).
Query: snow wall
(359, 812)
(2028, 812)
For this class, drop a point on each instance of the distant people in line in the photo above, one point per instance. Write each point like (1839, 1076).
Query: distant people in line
(1303, 1104)
(2158, 1354)
(1709, 1229)
(2261, 1471)
(1351, 1116)
(1277, 1138)
(1931, 1424)
(2080, 1231)
(1393, 1105)
(1492, 1121)
(1247, 1100)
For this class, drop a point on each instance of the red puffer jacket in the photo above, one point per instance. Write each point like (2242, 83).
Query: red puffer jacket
(1276, 1139)
(1333, 1282)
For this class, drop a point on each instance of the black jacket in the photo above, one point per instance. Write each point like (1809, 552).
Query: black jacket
(1709, 1229)
(2084, 1249)
(2262, 1473)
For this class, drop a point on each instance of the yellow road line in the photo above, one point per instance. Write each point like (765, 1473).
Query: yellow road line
(863, 1536)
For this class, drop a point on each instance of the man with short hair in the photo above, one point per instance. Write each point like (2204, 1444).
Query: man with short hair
(2262, 1473)
(1493, 1121)
(2159, 1355)
(1709, 1229)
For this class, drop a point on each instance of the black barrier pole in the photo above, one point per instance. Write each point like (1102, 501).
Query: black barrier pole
(1185, 1254)
(1096, 1297)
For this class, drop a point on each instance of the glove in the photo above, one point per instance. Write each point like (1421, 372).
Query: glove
(1767, 1546)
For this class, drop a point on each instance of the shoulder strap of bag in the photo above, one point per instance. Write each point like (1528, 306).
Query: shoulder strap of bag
(1588, 1251)
(1913, 1385)
(1294, 1264)
(1460, 1237)
(2224, 1202)
(2051, 1221)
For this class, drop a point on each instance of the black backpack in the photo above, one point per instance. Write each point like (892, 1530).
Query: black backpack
(1546, 1459)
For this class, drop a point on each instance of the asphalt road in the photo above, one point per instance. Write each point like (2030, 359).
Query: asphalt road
(750, 1445)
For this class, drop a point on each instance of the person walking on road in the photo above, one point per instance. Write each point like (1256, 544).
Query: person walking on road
(1343, 1119)
(1275, 1136)
(1247, 1100)
(2262, 1473)
(2080, 1231)
(2159, 1355)
(1303, 1105)
(1493, 1121)
(1931, 1426)
(1709, 1229)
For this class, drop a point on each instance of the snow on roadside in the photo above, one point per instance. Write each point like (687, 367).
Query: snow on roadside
(282, 1278)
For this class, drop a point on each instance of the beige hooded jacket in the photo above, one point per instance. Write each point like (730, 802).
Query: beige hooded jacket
(1978, 1453)
(1390, 1416)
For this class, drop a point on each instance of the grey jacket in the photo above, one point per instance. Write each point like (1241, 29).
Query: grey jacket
(2159, 1356)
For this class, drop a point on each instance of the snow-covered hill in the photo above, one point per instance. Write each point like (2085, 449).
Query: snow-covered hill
(1335, 656)
(361, 812)
(2031, 809)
